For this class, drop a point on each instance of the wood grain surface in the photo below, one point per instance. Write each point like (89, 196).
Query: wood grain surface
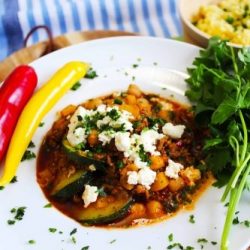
(29, 54)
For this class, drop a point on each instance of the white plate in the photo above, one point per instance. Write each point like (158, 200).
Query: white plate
(160, 62)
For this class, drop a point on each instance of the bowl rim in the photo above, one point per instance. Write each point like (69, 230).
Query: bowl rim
(201, 33)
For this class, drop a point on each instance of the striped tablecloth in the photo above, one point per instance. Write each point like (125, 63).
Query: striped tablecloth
(147, 17)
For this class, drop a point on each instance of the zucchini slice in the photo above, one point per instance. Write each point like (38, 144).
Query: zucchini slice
(80, 157)
(67, 187)
(93, 215)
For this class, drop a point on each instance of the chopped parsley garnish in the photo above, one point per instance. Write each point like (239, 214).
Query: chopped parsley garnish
(76, 86)
(174, 245)
(155, 63)
(79, 118)
(11, 222)
(73, 239)
(230, 20)
(47, 205)
(149, 247)
(117, 101)
(202, 240)
(214, 243)
(52, 230)
(112, 241)
(189, 248)
(91, 74)
(85, 248)
(133, 78)
(143, 155)
(32, 242)
(1, 188)
(28, 155)
(90, 154)
(154, 121)
(73, 231)
(14, 180)
(101, 192)
(170, 237)
(114, 114)
(136, 124)
(246, 223)
(191, 219)
(80, 146)
(41, 124)
(31, 144)
(119, 164)
(236, 221)
(20, 213)
(135, 65)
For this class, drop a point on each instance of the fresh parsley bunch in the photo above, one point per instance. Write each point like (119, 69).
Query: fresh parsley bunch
(219, 86)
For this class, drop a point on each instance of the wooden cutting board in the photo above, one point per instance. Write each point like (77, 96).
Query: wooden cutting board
(29, 54)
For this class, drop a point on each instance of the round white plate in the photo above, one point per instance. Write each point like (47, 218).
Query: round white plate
(160, 62)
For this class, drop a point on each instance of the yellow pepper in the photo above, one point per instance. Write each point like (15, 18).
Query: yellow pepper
(37, 107)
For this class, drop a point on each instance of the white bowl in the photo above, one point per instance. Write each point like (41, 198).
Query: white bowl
(187, 8)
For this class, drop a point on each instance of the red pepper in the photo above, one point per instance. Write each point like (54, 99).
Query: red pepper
(14, 94)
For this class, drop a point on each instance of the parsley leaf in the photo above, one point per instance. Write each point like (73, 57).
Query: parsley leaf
(28, 155)
(76, 86)
(219, 86)
(91, 74)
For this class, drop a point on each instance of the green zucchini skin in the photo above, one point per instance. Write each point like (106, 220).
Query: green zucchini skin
(67, 187)
(80, 157)
(94, 216)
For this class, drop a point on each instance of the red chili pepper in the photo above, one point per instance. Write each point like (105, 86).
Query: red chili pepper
(14, 94)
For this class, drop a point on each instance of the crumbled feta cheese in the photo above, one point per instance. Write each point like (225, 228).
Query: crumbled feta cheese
(148, 139)
(132, 177)
(106, 136)
(76, 136)
(92, 167)
(89, 195)
(106, 120)
(101, 109)
(122, 141)
(138, 162)
(174, 131)
(146, 177)
(173, 169)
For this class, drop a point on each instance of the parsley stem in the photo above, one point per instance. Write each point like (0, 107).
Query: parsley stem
(234, 200)
(235, 145)
(243, 159)
(233, 180)
(236, 70)
(245, 137)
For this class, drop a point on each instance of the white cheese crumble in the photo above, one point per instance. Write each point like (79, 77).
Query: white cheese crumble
(174, 131)
(132, 177)
(148, 139)
(77, 135)
(89, 195)
(123, 141)
(130, 145)
(92, 167)
(106, 136)
(144, 176)
(173, 169)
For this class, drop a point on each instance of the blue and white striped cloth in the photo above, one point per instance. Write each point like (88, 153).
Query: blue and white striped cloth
(147, 17)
